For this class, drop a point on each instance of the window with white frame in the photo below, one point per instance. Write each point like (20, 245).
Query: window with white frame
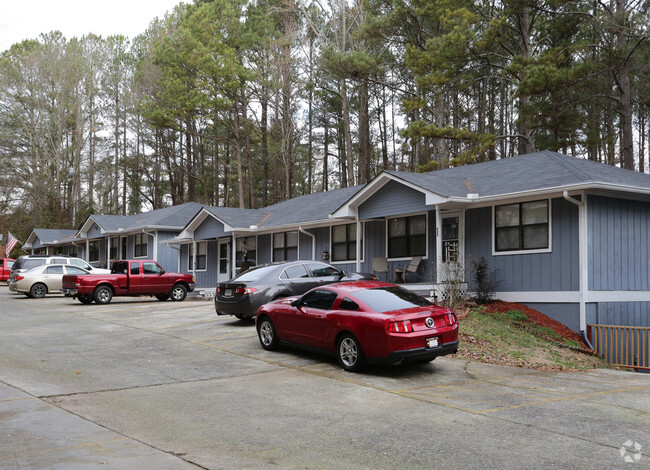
(140, 245)
(407, 236)
(521, 226)
(246, 251)
(344, 242)
(201, 256)
(285, 246)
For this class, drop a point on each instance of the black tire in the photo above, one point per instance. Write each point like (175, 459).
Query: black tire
(178, 292)
(103, 295)
(162, 297)
(349, 353)
(38, 290)
(84, 299)
(266, 333)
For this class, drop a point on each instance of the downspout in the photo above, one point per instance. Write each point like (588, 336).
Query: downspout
(313, 243)
(194, 257)
(438, 244)
(233, 256)
(359, 243)
(584, 273)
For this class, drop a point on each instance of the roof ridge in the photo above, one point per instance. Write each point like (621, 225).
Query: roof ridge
(577, 172)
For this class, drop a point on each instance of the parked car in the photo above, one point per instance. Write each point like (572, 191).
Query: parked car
(44, 279)
(129, 278)
(27, 262)
(5, 268)
(365, 321)
(244, 294)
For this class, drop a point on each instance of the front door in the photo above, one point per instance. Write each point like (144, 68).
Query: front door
(224, 260)
(453, 262)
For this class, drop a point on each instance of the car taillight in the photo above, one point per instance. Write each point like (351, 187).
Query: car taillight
(245, 290)
(218, 290)
(400, 327)
(450, 318)
(18, 278)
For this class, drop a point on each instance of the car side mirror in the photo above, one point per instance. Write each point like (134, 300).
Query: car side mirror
(295, 303)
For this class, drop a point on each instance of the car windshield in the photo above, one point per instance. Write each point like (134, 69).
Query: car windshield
(255, 274)
(386, 299)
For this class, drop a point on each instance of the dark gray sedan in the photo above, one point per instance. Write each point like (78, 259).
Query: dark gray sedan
(244, 294)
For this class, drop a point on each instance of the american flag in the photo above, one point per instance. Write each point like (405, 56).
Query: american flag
(11, 242)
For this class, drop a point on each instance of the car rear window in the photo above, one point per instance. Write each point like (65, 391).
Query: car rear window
(30, 263)
(255, 274)
(386, 299)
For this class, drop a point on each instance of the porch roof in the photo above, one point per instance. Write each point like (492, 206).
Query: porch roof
(49, 236)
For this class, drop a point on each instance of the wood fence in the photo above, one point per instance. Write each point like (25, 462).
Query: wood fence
(622, 346)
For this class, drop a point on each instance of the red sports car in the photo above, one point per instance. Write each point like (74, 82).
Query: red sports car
(362, 321)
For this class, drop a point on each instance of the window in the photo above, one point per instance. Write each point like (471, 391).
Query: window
(81, 263)
(522, 226)
(113, 244)
(285, 246)
(407, 236)
(59, 261)
(201, 256)
(344, 242)
(298, 271)
(54, 270)
(151, 268)
(323, 270)
(140, 248)
(347, 304)
(93, 251)
(320, 299)
(246, 251)
(74, 270)
(135, 268)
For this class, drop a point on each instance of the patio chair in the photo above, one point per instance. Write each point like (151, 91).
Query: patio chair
(380, 265)
(412, 267)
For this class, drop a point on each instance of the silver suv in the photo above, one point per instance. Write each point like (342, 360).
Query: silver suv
(27, 262)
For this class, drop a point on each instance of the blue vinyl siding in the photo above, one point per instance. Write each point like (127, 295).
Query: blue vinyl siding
(619, 313)
(554, 271)
(619, 246)
(392, 199)
(568, 314)
(167, 256)
(207, 278)
(210, 229)
(95, 232)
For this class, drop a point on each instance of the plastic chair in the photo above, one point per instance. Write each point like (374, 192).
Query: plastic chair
(380, 265)
(408, 268)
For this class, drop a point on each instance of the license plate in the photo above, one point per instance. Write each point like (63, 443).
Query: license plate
(228, 293)
(432, 342)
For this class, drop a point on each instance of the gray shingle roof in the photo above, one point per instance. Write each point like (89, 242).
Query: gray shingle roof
(54, 236)
(174, 217)
(535, 171)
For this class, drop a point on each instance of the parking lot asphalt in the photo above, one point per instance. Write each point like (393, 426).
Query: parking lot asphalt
(143, 384)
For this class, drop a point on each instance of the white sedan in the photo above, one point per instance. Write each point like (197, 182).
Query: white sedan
(45, 279)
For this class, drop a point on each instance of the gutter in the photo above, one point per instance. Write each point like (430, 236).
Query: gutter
(584, 274)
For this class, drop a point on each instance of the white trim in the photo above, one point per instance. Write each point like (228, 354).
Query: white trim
(554, 297)
(195, 252)
(549, 202)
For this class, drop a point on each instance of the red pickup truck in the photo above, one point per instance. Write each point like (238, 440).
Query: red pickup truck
(128, 278)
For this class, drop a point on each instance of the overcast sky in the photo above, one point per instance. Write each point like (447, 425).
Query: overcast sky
(27, 19)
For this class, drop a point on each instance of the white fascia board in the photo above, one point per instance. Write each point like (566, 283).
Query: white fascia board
(547, 192)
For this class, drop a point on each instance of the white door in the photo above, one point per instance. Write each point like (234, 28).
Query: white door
(223, 273)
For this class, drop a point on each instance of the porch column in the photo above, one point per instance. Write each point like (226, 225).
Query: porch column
(438, 243)
(87, 256)
(233, 255)
(193, 257)
(358, 245)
